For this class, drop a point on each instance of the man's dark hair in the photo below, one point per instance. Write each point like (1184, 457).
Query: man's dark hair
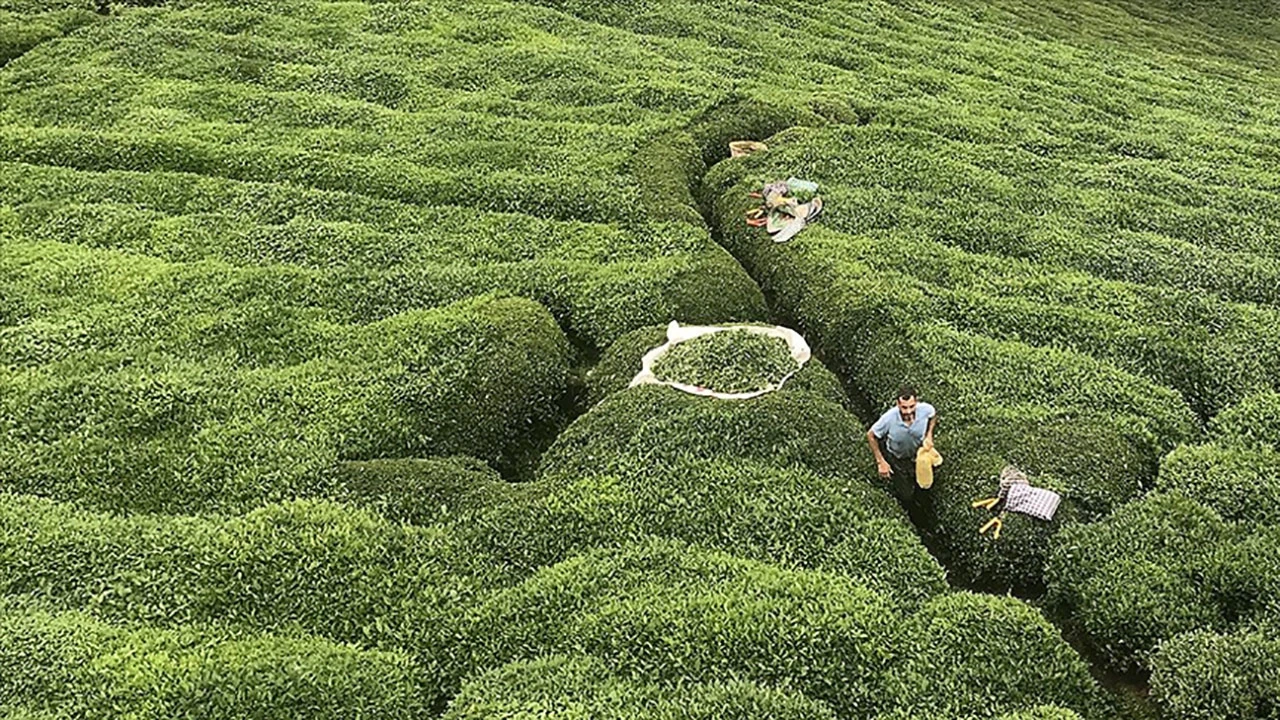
(906, 392)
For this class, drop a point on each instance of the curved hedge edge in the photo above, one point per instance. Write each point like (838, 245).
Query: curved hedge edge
(421, 491)
(484, 377)
(621, 362)
(1240, 483)
(315, 566)
(787, 516)
(1254, 422)
(663, 424)
(561, 686)
(671, 614)
(1202, 675)
(1152, 569)
(89, 669)
(966, 650)
(25, 32)
(667, 170)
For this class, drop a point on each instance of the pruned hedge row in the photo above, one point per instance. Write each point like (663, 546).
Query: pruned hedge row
(1212, 352)
(1200, 555)
(1240, 484)
(330, 570)
(660, 424)
(70, 665)
(1148, 572)
(357, 257)
(1082, 425)
(152, 434)
(1107, 218)
(773, 479)
(659, 609)
(964, 646)
(422, 491)
(671, 614)
(595, 299)
(562, 686)
(1206, 676)
(1254, 422)
(21, 31)
(1161, 566)
(788, 516)
(1086, 458)
(561, 195)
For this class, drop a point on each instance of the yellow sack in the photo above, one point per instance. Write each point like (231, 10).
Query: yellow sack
(926, 460)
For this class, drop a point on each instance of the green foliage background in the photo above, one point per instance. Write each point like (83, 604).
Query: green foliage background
(292, 292)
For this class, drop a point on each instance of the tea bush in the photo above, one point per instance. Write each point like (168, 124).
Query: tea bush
(422, 491)
(581, 686)
(20, 32)
(1254, 422)
(665, 612)
(742, 477)
(79, 667)
(1202, 675)
(1158, 567)
(1201, 553)
(790, 430)
(354, 256)
(1060, 222)
(328, 569)
(146, 433)
(789, 517)
(671, 614)
(1241, 485)
(964, 649)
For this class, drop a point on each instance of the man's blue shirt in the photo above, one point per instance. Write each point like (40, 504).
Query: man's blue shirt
(900, 439)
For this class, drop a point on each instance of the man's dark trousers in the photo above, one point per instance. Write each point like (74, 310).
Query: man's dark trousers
(917, 501)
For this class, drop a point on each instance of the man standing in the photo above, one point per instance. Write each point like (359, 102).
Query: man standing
(894, 440)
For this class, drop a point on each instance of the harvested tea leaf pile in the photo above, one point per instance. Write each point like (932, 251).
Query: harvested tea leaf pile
(730, 361)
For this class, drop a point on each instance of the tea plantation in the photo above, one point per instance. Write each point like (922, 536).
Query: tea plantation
(318, 321)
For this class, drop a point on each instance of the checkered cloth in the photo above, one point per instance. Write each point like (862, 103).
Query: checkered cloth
(1036, 502)
(1018, 495)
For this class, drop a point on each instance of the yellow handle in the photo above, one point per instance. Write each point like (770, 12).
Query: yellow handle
(993, 522)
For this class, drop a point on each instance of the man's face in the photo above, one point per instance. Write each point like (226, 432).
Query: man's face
(907, 409)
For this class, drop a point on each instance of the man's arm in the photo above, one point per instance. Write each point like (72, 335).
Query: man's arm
(928, 433)
(882, 465)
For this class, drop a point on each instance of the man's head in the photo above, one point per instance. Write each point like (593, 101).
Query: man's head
(907, 403)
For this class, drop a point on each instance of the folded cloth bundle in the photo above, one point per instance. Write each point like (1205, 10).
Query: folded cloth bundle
(781, 214)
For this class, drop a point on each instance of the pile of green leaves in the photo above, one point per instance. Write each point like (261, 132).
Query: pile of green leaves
(729, 361)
